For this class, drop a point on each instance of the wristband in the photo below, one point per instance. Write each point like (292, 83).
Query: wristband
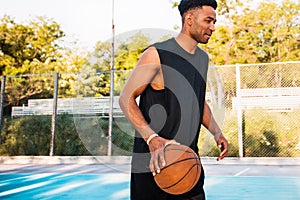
(151, 137)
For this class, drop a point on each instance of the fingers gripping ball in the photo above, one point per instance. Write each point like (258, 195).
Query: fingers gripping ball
(182, 170)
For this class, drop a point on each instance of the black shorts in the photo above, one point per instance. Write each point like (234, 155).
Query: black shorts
(143, 187)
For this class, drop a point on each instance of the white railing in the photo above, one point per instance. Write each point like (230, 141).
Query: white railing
(77, 106)
(272, 99)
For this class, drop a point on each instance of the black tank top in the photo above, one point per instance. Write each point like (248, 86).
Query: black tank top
(176, 111)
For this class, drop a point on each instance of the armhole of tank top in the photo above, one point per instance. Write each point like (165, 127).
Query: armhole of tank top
(161, 71)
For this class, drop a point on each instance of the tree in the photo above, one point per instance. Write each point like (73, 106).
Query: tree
(96, 77)
(268, 33)
(129, 51)
(255, 33)
(28, 49)
(22, 46)
(29, 55)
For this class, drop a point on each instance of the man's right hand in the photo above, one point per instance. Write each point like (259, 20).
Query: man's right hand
(156, 147)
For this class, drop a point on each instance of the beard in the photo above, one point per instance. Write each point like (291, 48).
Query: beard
(201, 38)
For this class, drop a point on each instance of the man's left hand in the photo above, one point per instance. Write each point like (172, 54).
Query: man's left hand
(223, 145)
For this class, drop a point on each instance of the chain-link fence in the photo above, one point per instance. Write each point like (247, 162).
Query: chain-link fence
(262, 107)
(258, 108)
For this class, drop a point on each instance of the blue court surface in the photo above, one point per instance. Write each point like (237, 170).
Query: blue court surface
(116, 186)
(94, 182)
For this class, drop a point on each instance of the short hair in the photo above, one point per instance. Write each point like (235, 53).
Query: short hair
(186, 5)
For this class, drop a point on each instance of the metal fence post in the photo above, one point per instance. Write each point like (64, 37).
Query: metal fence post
(54, 114)
(239, 110)
(2, 104)
(112, 80)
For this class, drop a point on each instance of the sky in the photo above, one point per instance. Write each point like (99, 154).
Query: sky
(89, 21)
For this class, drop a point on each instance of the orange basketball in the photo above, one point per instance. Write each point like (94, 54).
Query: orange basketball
(182, 170)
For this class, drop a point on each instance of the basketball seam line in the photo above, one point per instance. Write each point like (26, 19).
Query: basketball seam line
(179, 162)
(181, 178)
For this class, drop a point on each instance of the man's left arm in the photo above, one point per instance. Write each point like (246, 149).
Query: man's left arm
(210, 123)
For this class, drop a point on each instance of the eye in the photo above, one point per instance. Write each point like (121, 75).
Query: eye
(210, 20)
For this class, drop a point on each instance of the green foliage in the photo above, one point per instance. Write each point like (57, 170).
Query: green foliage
(268, 32)
(68, 82)
(31, 136)
(26, 136)
(67, 140)
(130, 50)
(226, 6)
(93, 132)
(34, 48)
(271, 134)
(270, 76)
(207, 145)
(123, 137)
(74, 136)
(29, 49)
(98, 63)
(266, 134)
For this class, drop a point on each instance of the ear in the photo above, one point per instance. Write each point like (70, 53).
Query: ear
(189, 18)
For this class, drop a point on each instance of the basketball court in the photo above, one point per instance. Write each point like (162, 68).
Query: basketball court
(232, 179)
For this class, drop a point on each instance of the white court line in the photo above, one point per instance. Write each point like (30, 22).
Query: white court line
(241, 172)
(120, 194)
(64, 188)
(5, 182)
(24, 188)
(23, 179)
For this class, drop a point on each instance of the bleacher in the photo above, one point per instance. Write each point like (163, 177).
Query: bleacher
(85, 106)
(88, 106)
(271, 99)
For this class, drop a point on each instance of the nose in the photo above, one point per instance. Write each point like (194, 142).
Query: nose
(212, 27)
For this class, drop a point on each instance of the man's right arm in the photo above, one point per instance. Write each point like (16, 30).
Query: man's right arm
(142, 75)
(145, 72)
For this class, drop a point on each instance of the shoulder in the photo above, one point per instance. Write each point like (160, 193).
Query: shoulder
(149, 60)
(150, 55)
(164, 44)
(202, 53)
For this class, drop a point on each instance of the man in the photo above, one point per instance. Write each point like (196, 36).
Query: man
(170, 78)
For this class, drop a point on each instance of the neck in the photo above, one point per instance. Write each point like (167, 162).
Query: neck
(187, 43)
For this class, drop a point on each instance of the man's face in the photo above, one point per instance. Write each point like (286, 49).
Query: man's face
(202, 23)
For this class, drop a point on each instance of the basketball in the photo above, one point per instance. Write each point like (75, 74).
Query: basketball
(182, 170)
